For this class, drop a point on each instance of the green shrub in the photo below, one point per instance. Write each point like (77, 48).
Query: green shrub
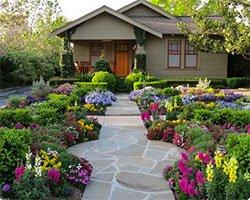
(238, 145)
(202, 115)
(168, 92)
(22, 67)
(189, 109)
(32, 187)
(14, 144)
(155, 84)
(79, 92)
(59, 81)
(40, 88)
(132, 78)
(67, 64)
(234, 82)
(151, 78)
(45, 115)
(105, 77)
(102, 65)
(241, 117)
(58, 101)
(9, 117)
(120, 85)
(15, 101)
(87, 77)
(92, 86)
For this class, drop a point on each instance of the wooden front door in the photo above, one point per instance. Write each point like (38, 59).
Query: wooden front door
(122, 59)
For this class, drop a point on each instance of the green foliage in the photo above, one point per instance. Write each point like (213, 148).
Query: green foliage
(44, 115)
(155, 84)
(67, 64)
(222, 116)
(234, 82)
(60, 80)
(14, 145)
(132, 78)
(9, 117)
(78, 92)
(14, 101)
(239, 147)
(24, 67)
(92, 86)
(168, 92)
(141, 62)
(120, 85)
(87, 77)
(58, 101)
(105, 77)
(32, 187)
(231, 30)
(190, 109)
(40, 88)
(102, 65)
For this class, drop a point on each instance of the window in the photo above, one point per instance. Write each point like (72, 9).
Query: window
(174, 53)
(95, 52)
(191, 56)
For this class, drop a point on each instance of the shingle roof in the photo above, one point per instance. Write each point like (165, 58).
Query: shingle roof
(162, 24)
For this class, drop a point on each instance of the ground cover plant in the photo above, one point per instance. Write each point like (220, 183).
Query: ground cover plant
(41, 127)
(212, 127)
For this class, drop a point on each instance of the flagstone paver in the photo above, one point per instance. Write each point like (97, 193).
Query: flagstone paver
(126, 165)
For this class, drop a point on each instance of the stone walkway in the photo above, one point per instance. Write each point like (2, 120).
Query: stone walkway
(127, 166)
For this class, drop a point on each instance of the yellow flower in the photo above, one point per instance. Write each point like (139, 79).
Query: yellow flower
(220, 94)
(81, 123)
(247, 176)
(230, 168)
(210, 105)
(89, 127)
(218, 159)
(210, 90)
(210, 172)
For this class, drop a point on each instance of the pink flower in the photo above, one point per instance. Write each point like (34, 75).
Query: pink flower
(183, 184)
(54, 175)
(204, 157)
(192, 191)
(19, 171)
(248, 128)
(145, 116)
(200, 179)
(184, 157)
(184, 169)
(154, 106)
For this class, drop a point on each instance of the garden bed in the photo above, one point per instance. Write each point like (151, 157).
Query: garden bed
(42, 126)
(212, 127)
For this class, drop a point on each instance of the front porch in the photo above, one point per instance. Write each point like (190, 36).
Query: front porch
(119, 54)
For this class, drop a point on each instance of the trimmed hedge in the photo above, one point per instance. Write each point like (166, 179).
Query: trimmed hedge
(215, 82)
(60, 80)
(92, 86)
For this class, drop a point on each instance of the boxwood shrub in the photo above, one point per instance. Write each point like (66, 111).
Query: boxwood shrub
(92, 86)
(14, 144)
(105, 77)
(9, 117)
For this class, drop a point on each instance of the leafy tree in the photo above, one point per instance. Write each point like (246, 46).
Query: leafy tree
(228, 33)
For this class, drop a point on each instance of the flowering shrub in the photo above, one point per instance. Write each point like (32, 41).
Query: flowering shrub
(64, 89)
(100, 98)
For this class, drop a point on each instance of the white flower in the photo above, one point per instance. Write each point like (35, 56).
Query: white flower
(28, 165)
(37, 166)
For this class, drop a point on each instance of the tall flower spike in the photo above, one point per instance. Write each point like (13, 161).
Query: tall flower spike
(37, 166)
(28, 165)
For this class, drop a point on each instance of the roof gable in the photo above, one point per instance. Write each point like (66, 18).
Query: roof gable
(103, 9)
(150, 10)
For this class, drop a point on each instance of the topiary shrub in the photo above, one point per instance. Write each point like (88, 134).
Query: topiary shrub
(102, 77)
(132, 78)
(67, 64)
(141, 62)
(40, 88)
(102, 65)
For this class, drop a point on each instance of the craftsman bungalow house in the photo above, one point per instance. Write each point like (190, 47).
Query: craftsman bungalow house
(168, 53)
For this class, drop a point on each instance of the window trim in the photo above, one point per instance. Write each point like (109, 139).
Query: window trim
(174, 52)
(190, 52)
(91, 53)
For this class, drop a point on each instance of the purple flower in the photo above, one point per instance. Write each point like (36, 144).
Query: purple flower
(34, 126)
(100, 98)
(184, 157)
(19, 126)
(6, 187)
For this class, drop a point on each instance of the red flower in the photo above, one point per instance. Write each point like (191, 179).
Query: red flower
(154, 106)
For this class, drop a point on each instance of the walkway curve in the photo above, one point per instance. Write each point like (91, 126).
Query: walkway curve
(127, 166)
